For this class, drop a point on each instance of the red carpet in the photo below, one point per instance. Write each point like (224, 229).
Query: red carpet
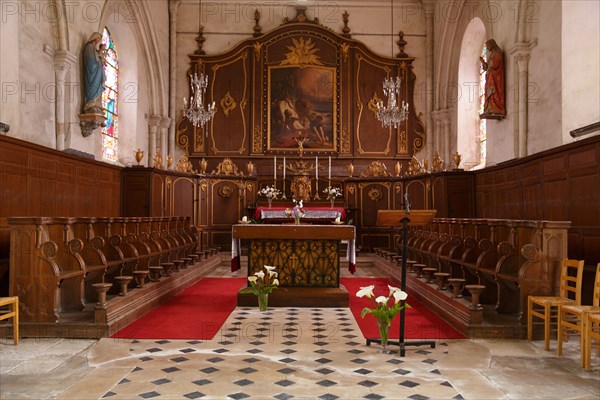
(196, 313)
(420, 322)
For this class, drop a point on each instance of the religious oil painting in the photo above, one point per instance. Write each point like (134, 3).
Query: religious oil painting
(302, 112)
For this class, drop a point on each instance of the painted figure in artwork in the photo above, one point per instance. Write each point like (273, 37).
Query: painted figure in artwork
(94, 76)
(493, 65)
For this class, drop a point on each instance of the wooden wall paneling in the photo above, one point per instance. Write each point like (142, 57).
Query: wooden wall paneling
(42, 185)
(583, 196)
(418, 193)
(66, 186)
(230, 87)
(184, 197)
(398, 196)
(225, 202)
(438, 197)
(157, 194)
(137, 194)
(555, 200)
(203, 202)
(460, 195)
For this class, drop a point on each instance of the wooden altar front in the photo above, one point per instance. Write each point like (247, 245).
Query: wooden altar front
(307, 258)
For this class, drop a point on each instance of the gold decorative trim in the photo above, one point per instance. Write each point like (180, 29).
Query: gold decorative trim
(421, 133)
(375, 194)
(398, 187)
(181, 138)
(228, 104)
(199, 139)
(345, 140)
(184, 164)
(257, 140)
(203, 185)
(225, 191)
(302, 53)
(376, 168)
(345, 47)
(227, 167)
(351, 188)
(257, 46)
(373, 103)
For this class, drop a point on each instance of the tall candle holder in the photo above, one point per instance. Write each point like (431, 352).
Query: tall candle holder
(283, 197)
(317, 190)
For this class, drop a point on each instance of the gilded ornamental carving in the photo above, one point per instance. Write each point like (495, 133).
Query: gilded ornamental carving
(376, 168)
(227, 167)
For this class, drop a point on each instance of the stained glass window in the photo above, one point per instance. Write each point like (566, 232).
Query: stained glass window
(482, 121)
(110, 95)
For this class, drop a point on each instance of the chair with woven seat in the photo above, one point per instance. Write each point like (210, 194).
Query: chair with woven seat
(572, 318)
(13, 313)
(546, 307)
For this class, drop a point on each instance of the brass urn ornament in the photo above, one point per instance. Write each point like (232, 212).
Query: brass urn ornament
(457, 159)
(250, 168)
(203, 166)
(350, 169)
(169, 161)
(398, 168)
(139, 155)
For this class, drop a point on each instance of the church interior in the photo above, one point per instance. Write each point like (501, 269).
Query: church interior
(153, 152)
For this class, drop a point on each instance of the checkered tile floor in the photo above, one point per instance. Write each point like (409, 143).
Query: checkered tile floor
(283, 353)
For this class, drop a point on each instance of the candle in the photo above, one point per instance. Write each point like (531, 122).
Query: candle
(329, 176)
(275, 168)
(337, 219)
(284, 168)
(245, 219)
(316, 167)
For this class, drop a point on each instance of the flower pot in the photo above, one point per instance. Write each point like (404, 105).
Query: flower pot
(270, 200)
(263, 301)
(332, 202)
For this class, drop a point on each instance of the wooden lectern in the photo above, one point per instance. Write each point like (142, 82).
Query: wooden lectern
(402, 218)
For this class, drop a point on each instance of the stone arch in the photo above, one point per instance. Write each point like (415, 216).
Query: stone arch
(467, 104)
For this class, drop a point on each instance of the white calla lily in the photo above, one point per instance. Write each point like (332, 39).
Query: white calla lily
(260, 274)
(366, 291)
(276, 282)
(272, 274)
(269, 268)
(381, 300)
(252, 278)
(399, 296)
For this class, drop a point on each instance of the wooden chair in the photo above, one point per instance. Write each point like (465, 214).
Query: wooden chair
(572, 318)
(592, 332)
(14, 314)
(569, 293)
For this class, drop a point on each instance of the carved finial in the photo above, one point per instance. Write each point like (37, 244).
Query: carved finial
(345, 29)
(300, 17)
(401, 43)
(257, 27)
(200, 40)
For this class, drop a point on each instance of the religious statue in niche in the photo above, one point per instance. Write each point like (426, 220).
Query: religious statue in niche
(94, 76)
(493, 65)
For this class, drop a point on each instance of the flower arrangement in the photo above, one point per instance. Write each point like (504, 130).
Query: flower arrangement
(297, 212)
(332, 192)
(382, 310)
(261, 284)
(269, 192)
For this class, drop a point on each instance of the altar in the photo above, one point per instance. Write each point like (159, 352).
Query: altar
(310, 213)
(306, 257)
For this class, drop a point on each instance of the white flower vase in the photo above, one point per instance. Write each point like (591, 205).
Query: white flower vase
(384, 330)
(270, 200)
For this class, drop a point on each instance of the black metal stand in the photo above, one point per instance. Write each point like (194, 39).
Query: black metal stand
(401, 342)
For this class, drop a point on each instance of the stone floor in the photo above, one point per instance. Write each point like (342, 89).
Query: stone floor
(286, 353)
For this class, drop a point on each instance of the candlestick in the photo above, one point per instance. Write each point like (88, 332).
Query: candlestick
(316, 167)
(275, 171)
(329, 176)
(283, 168)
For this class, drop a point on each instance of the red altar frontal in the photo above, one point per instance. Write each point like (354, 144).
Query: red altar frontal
(306, 257)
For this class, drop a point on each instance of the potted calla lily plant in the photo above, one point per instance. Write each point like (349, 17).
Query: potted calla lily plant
(261, 284)
(384, 309)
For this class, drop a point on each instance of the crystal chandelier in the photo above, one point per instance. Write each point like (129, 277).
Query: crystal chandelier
(391, 114)
(196, 112)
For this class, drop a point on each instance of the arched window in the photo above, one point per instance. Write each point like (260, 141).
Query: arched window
(482, 121)
(110, 96)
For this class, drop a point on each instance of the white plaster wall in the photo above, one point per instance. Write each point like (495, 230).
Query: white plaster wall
(545, 94)
(10, 112)
(580, 65)
(468, 105)
(501, 133)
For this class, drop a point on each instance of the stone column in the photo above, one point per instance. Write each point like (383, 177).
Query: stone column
(447, 140)
(435, 133)
(429, 16)
(62, 64)
(165, 123)
(153, 123)
(521, 52)
(173, 9)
